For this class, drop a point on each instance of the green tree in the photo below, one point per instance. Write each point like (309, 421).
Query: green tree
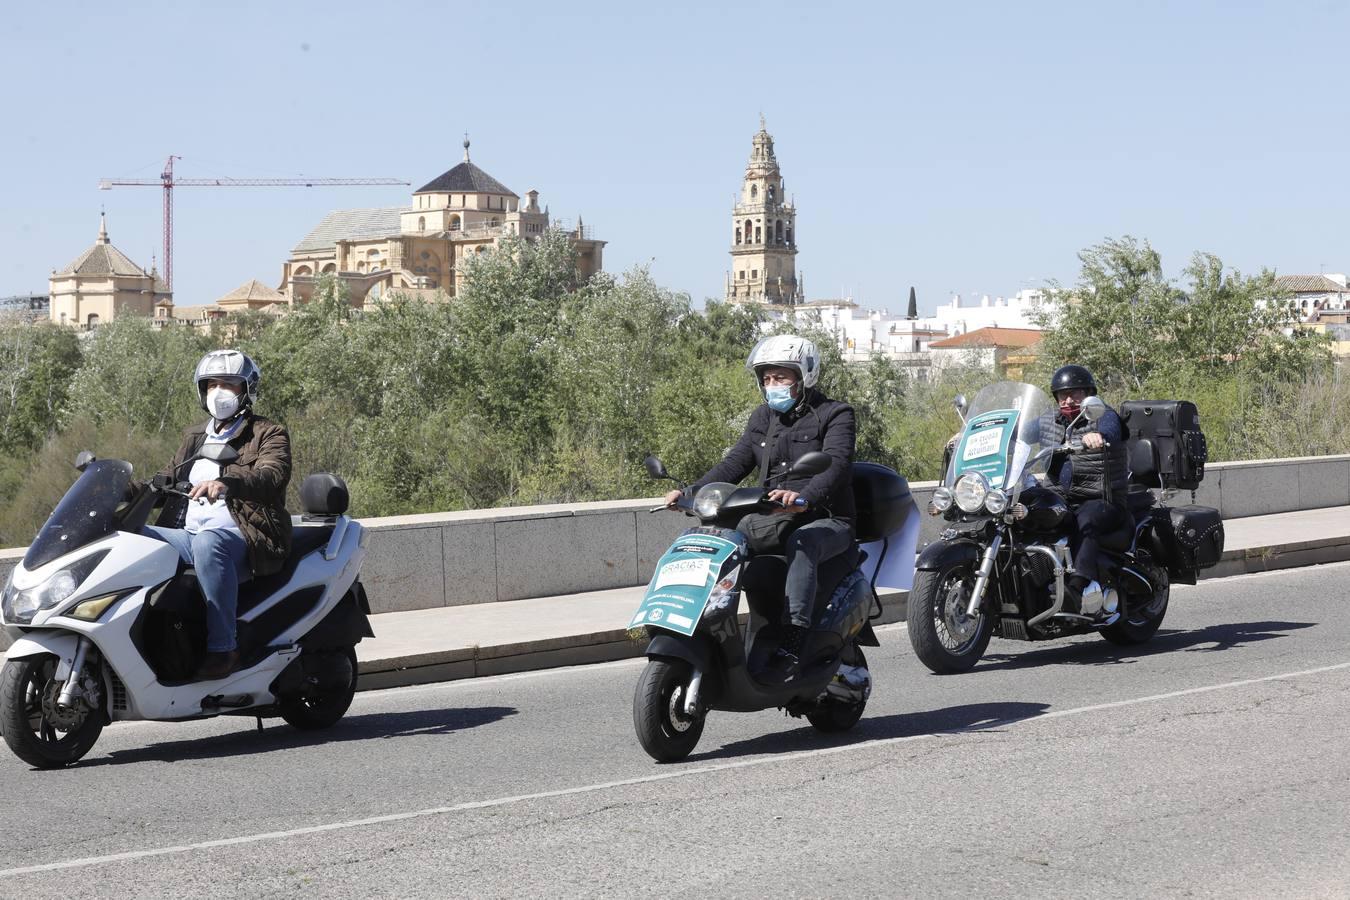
(37, 363)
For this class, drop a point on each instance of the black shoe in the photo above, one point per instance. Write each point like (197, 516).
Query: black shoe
(217, 665)
(783, 667)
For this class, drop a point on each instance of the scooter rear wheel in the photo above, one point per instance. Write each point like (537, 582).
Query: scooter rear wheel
(40, 733)
(663, 729)
(320, 707)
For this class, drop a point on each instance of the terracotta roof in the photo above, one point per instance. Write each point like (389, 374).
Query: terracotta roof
(1309, 284)
(992, 336)
(465, 178)
(351, 224)
(253, 292)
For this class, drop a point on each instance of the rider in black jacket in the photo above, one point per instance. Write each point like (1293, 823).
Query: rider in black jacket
(795, 419)
(1094, 481)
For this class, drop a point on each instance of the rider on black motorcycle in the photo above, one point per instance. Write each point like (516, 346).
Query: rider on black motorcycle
(1094, 481)
(817, 519)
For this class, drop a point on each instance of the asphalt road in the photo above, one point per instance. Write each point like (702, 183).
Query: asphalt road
(1213, 762)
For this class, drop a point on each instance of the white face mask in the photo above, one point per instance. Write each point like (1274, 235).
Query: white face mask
(222, 403)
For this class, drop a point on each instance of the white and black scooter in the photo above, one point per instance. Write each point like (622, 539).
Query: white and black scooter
(109, 625)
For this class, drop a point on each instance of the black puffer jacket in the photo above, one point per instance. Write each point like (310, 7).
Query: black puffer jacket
(817, 424)
(1092, 474)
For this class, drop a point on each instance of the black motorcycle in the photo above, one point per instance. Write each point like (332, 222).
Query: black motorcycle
(1001, 565)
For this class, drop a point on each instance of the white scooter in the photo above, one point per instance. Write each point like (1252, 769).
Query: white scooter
(109, 625)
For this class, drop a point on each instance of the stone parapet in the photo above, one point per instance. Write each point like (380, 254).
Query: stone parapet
(483, 556)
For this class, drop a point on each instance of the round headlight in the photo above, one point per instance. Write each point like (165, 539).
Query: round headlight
(710, 497)
(942, 499)
(970, 492)
(996, 501)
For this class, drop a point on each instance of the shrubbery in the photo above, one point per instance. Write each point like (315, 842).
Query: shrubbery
(531, 388)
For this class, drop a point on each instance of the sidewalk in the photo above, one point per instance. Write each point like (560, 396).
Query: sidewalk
(454, 642)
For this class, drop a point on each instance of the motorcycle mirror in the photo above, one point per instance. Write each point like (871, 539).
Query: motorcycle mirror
(655, 467)
(219, 453)
(961, 405)
(1094, 408)
(812, 463)
(83, 460)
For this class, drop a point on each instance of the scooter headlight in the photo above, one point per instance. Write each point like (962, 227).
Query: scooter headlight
(19, 606)
(971, 489)
(942, 498)
(996, 501)
(710, 498)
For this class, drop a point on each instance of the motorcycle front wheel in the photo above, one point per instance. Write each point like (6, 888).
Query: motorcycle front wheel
(663, 729)
(945, 639)
(38, 731)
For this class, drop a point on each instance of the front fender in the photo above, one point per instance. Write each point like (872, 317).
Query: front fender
(694, 651)
(61, 644)
(943, 554)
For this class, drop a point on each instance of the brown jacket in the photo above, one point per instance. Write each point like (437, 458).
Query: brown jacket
(256, 488)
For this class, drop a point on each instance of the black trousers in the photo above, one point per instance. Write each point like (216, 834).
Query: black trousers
(1093, 520)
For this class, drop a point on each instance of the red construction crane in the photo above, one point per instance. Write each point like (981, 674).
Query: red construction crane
(168, 182)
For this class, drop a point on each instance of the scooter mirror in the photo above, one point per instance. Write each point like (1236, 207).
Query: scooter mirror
(812, 463)
(1094, 408)
(655, 467)
(219, 453)
(83, 460)
(961, 404)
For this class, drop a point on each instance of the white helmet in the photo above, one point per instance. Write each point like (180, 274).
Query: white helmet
(228, 365)
(790, 352)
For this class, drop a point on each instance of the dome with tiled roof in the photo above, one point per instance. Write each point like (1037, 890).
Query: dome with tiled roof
(465, 178)
(102, 259)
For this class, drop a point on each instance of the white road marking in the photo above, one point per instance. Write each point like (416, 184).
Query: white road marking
(89, 861)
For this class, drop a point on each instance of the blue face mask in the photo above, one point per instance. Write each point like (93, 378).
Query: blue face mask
(780, 398)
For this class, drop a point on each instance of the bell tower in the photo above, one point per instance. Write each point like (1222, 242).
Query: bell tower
(764, 233)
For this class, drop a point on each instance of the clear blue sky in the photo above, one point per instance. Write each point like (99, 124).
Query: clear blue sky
(954, 147)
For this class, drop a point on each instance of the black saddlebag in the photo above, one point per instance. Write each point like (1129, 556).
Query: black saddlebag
(1187, 539)
(1173, 427)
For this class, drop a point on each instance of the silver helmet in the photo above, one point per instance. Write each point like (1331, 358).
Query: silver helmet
(228, 365)
(790, 352)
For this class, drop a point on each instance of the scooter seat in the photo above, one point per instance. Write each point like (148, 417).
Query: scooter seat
(764, 581)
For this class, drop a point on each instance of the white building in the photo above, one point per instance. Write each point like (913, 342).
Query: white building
(1314, 295)
(959, 316)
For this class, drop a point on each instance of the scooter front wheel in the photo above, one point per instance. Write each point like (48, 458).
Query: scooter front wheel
(40, 732)
(663, 728)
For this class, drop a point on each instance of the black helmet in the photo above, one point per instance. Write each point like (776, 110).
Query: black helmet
(1066, 378)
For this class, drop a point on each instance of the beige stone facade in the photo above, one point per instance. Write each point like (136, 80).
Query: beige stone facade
(418, 249)
(102, 284)
(764, 233)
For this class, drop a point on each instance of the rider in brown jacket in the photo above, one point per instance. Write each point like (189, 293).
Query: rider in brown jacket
(234, 523)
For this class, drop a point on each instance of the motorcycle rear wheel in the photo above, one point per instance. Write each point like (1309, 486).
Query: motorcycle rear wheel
(944, 638)
(663, 730)
(34, 729)
(317, 707)
(1140, 622)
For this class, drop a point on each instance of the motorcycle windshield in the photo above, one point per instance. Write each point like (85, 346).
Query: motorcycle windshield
(86, 513)
(1002, 435)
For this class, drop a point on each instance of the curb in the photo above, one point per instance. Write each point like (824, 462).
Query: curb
(615, 644)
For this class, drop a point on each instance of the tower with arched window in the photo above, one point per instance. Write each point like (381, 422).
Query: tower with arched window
(764, 233)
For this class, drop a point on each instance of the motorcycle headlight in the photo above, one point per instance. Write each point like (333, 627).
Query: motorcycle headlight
(942, 498)
(996, 501)
(971, 489)
(19, 606)
(710, 497)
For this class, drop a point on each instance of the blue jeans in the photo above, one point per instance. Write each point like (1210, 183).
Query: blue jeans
(220, 557)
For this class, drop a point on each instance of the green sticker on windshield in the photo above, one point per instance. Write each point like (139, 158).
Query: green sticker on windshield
(986, 444)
